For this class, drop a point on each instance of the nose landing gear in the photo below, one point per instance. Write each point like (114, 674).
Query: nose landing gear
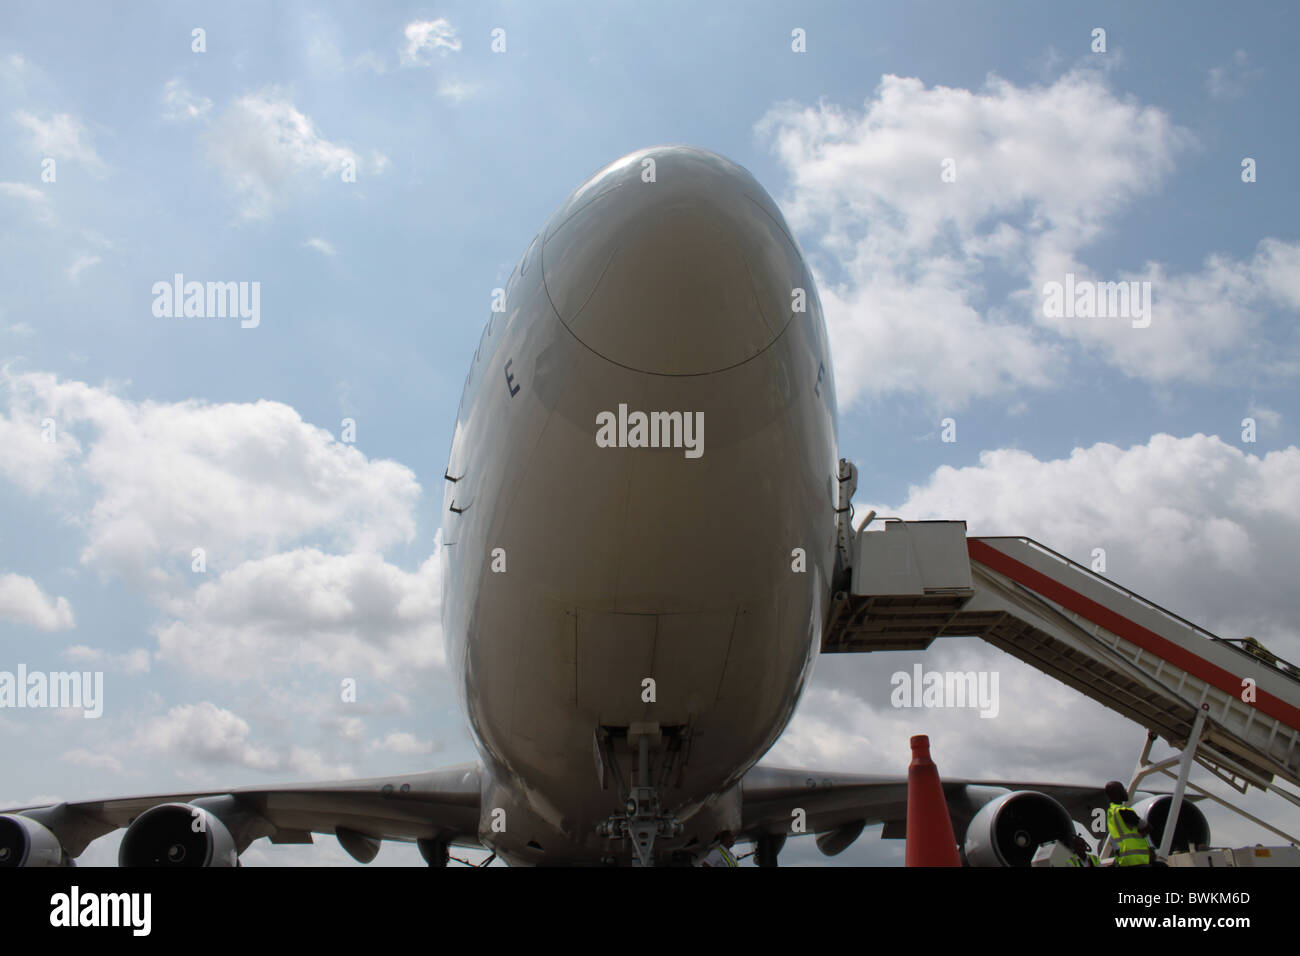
(644, 819)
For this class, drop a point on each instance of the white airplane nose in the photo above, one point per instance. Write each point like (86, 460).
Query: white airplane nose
(673, 261)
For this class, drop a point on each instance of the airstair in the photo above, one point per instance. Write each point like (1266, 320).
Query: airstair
(1232, 710)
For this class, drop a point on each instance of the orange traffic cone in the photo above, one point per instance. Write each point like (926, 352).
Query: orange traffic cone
(929, 827)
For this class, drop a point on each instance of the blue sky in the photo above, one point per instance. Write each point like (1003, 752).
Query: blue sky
(224, 165)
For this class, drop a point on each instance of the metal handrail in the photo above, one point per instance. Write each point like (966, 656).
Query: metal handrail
(1293, 673)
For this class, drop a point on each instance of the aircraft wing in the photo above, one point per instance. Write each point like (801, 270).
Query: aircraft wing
(432, 805)
(841, 801)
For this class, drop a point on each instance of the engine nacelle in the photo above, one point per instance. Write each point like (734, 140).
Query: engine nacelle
(1009, 829)
(834, 842)
(177, 834)
(24, 842)
(1192, 830)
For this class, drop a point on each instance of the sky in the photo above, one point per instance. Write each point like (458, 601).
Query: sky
(227, 516)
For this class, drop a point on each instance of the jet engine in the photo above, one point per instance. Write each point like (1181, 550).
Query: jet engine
(177, 834)
(24, 842)
(836, 841)
(1192, 830)
(1009, 829)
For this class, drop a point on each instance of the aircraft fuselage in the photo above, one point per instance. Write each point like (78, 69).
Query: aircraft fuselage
(640, 533)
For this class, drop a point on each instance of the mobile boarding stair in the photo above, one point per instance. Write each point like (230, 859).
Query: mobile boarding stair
(914, 581)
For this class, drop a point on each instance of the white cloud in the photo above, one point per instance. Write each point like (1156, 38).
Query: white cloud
(62, 136)
(95, 761)
(150, 481)
(134, 661)
(180, 104)
(20, 75)
(1276, 267)
(1206, 326)
(22, 600)
(454, 91)
(1229, 81)
(323, 246)
(403, 743)
(79, 265)
(207, 733)
(1268, 418)
(14, 66)
(905, 260)
(308, 763)
(216, 736)
(830, 732)
(351, 614)
(96, 239)
(370, 60)
(30, 461)
(424, 37)
(267, 148)
(1037, 168)
(323, 48)
(36, 198)
(238, 480)
(345, 728)
(24, 191)
(1043, 729)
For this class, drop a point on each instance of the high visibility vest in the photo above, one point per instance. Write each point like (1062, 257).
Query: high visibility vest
(720, 856)
(1131, 847)
(1092, 861)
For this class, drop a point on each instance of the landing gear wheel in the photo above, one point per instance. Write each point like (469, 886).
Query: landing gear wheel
(769, 847)
(435, 852)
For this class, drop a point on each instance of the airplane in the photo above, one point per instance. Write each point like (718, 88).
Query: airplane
(640, 549)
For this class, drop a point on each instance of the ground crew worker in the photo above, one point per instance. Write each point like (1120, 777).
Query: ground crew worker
(1128, 834)
(721, 855)
(1252, 646)
(1259, 650)
(1083, 855)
